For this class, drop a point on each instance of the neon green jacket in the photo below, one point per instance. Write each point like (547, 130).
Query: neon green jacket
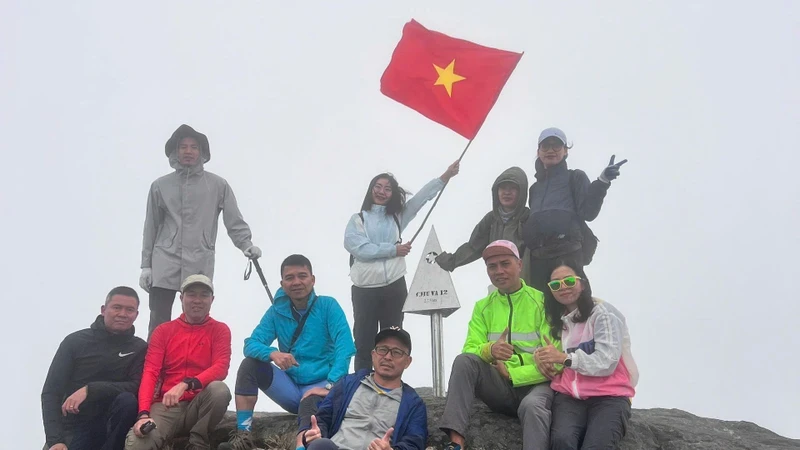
(523, 314)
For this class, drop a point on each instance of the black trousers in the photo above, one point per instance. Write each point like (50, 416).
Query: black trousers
(594, 423)
(107, 431)
(541, 269)
(160, 302)
(372, 306)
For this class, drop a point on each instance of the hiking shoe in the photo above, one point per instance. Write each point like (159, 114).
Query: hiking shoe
(451, 446)
(239, 440)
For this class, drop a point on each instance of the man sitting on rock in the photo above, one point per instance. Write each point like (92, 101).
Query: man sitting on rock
(88, 399)
(372, 410)
(182, 392)
(496, 363)
(313, 351)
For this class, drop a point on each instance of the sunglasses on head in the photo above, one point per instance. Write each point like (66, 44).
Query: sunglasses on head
(569, 282)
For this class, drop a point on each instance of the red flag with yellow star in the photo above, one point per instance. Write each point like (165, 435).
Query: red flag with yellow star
(450, 81)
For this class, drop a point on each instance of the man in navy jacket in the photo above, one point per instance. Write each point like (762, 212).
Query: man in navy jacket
(383, 413)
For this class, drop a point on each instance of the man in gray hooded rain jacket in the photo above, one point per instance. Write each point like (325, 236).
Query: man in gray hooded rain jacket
(180, 229)
(504, 221)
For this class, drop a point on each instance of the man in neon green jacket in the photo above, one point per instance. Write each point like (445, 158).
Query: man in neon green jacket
(497, 364)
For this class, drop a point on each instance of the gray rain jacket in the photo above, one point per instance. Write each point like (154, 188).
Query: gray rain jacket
(180, 229)
(492, 228)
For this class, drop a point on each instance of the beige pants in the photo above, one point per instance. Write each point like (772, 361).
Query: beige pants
(196, 418)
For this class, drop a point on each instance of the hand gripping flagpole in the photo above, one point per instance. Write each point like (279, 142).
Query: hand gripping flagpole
(438, 197)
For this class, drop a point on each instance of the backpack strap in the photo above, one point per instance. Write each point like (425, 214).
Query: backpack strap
(399, 229)
(399, 232)
(301, 323)
(590, 240)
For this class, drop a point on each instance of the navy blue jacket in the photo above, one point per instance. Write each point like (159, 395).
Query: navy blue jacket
(410, 429)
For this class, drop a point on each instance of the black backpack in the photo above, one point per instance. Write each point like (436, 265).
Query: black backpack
(589, 245)
(399, 233)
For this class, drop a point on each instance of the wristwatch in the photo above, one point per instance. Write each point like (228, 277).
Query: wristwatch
(568, 361)
(329, 385)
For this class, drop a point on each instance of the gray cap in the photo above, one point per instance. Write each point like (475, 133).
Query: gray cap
(197, 279)
(553, 132)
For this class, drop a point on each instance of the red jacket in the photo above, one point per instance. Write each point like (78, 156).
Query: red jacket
(178, 350)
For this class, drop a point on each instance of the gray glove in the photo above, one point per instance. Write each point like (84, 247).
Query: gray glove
(252, 252)
(612, 171)
(146, 279)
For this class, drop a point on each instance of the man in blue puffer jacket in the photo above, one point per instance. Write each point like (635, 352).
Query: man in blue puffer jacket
(371, 410)
(314, 351)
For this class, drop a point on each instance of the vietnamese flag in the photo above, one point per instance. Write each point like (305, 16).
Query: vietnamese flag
(450, 81)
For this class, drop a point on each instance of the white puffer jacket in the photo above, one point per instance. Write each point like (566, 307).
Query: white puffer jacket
(372, 241)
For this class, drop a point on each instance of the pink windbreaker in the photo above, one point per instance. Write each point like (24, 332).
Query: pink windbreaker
(602, 363)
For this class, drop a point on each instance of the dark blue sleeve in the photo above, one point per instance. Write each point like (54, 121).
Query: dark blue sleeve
(588, 196)
(416, 436)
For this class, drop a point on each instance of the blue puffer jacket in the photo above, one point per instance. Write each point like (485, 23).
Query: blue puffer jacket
(410, 429)
(323, 349)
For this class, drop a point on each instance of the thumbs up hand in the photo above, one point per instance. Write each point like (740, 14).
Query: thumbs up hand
(501, 350)
(312, 433)
(549, 354)
(382, 444)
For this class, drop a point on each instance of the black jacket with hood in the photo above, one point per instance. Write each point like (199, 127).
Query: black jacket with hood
(108, 364)
(492, 227)
(561, 201)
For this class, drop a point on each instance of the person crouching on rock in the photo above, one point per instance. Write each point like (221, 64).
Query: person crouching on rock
(89, 396)
(182, 393)
(372, 410)
(313, 351)
(504, 221)
(496, 364)
(592, 402)
(377, 261)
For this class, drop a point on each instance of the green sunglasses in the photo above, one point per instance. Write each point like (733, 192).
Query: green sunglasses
(569, 282)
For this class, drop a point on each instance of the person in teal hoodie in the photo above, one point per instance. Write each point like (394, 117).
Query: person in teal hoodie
(313, 351)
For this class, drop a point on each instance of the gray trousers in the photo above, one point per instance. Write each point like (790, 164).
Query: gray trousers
(594, 423)
(322, 444)
(471, 377)
(196, 418)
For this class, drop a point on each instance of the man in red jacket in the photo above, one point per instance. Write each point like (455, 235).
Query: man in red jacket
(182, 392)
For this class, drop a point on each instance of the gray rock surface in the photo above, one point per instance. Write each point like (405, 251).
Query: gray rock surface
(662, 429)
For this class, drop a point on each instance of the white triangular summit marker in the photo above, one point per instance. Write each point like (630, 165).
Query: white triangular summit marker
(432, 288)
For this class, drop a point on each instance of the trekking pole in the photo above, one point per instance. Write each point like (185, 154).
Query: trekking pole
(249, 269)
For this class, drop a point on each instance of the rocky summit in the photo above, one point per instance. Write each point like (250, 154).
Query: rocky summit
(662, 429)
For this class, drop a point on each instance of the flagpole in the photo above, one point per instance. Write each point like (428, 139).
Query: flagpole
(437, 197)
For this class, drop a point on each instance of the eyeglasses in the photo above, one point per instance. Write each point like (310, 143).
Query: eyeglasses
(554, 146)
(383, 350)
(569, 282)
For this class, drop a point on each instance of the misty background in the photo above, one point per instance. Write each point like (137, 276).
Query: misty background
(698, 236)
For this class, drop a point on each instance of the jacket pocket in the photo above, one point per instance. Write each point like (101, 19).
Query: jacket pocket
(166, 235)
(207, 241)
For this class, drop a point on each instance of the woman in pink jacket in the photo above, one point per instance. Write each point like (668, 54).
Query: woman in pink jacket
(592, 404)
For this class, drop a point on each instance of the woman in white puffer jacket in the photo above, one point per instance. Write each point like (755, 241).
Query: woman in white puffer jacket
(378, 267)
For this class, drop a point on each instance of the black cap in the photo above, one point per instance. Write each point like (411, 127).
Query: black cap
(395, 332)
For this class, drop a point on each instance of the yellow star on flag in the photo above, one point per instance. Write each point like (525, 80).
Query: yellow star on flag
(447, 77)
